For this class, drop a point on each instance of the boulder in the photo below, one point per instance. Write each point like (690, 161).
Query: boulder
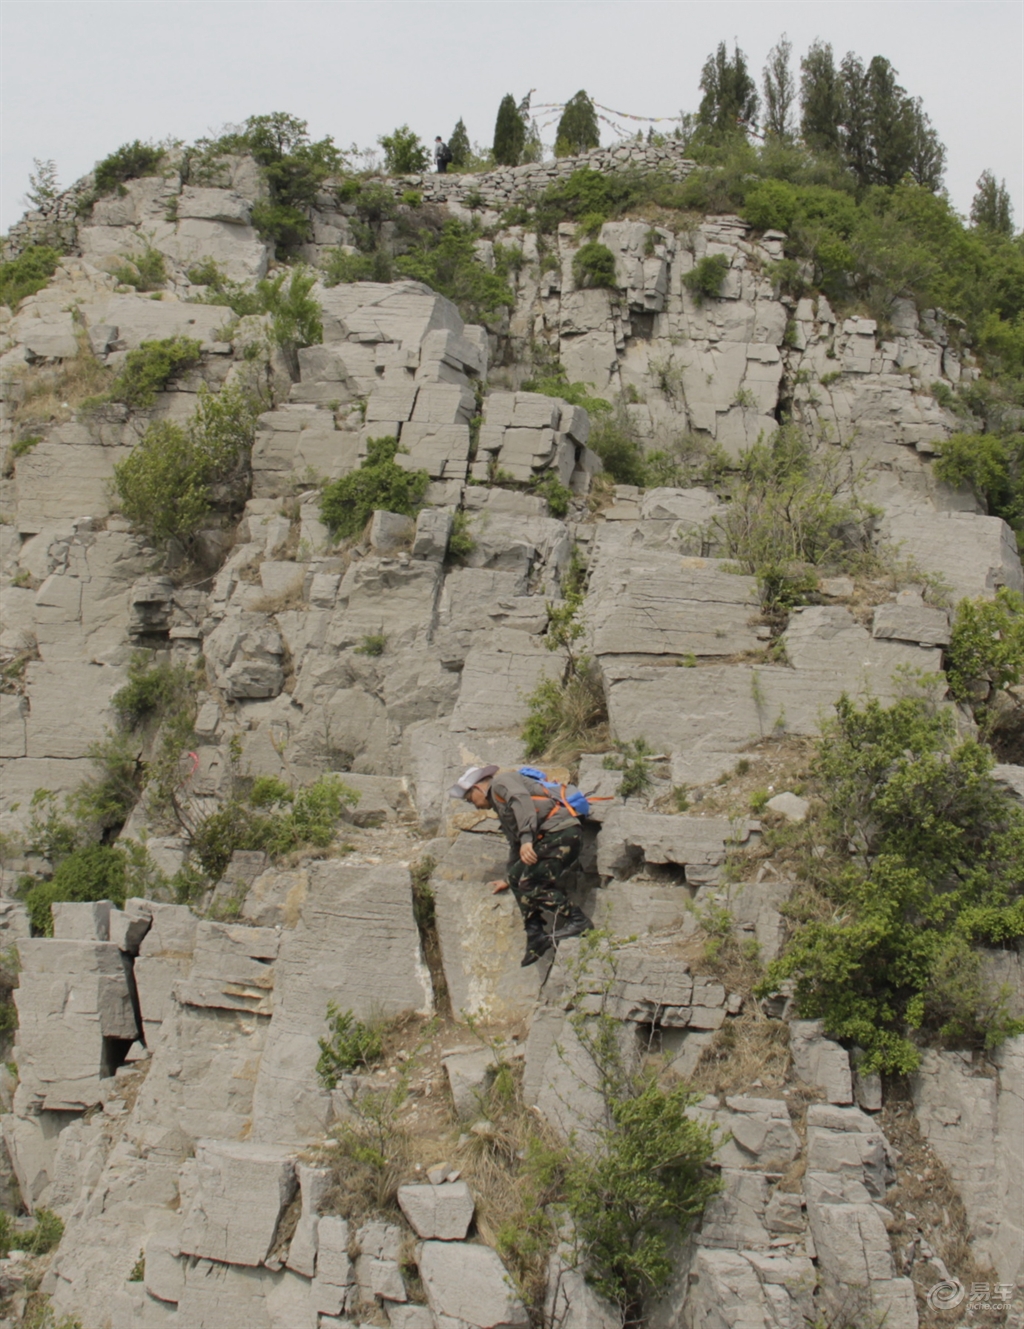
(469, 1283)
(819, 1061)
(438, 1213)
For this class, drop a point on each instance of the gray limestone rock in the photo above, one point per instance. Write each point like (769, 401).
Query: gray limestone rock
(819, 1061)
(912, 622)
(356, 943)
(468, 1282)
(240, 1192)
(469, 1073)
(390, 532)
(433, 527)
(314, 1184)
(789, 805)
(81, 922)
(232, 968)
(761, 1134)
(631, 840)
(438, 1213)
(74, 1009)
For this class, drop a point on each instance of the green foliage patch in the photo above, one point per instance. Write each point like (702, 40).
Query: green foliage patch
(349, 1045)
(404, 153)
(380, 484)
(166, 487)
(22, 276)
(593, 264)
(274, 818)
(150, 367)
(144, 272)
(881, 940)
(986, 645)
(93, 872)
(704, 280)
(131, 161)
(993, 466)
(448, 263)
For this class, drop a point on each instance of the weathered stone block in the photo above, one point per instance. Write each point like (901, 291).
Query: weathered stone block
(441, 1213)
(241, 1189)
(468, 1282)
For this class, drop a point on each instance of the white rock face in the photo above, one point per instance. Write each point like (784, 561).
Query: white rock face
(240, 1191)
(441, 1213)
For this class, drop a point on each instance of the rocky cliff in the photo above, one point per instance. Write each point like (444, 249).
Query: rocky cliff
(167, 1105)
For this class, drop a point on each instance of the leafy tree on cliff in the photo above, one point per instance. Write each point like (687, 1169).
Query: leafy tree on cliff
(821, 99)
(509, 133)
(577, 129)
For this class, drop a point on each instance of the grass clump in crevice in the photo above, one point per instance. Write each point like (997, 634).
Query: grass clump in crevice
(28, 273)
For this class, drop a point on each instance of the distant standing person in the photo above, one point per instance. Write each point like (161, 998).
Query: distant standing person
(442, 155)
(544, 839)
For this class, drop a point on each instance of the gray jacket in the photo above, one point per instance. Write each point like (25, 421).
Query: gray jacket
(523, 817)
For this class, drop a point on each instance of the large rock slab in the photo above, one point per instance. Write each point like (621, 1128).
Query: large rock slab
(975, 1123)
(819, 1061)
(232, 968)
(481, 935)
(241, 1189)
(654, 602)
(630, 841)
(356, 944)
(974, 555)
(469, 1283)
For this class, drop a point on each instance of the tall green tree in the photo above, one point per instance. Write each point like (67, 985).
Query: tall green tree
(459, 146)
(577, 129)
(779, 91)
(404, 154)
(729, 105)
(991, 209)
(821, 100)
(509, 133)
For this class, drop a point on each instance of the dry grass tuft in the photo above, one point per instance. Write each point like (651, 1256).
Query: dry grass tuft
(749, 1054)
(53, 395)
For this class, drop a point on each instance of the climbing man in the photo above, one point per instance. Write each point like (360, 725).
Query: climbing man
(442, 155)
(544, 838)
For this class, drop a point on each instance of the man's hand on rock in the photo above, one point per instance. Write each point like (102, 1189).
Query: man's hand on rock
(527, 854)
(498, 886)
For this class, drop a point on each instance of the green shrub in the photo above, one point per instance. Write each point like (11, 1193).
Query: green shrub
(165, 486)
(45, 1235)
(380, 484)
(412, 198)
(594, 265)
(284, 223)
(145, 272)
(649, 1175)
(615, 442)
(448, 263)
(350, 1044)
(129, 162)
(704, 281)
(565, 717)
(992, 465)
(986, 644)
(576, 394)
(794, 506)
(286, 820)
(295, 314)
(460, 542)
(554, 493)
(404, 154)
(374, 644)
(589, 193)
(94, 872)
(148, 369)
(634, 760)
(340, 267)
(29, 272)
(150, 692)
(939, 846)
(770, 206)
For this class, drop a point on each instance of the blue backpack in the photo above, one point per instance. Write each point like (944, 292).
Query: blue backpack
(567, 795)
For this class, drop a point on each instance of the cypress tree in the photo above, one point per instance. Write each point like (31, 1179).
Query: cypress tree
(509, 133)
(729, 104)
(779, 90)
(459, 145)
(577, 129)
(991, 209)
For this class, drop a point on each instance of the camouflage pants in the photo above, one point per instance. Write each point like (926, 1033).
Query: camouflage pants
(534, 884)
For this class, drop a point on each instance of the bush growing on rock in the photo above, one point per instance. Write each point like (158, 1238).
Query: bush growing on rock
(380, 484)
(993, 466)
(577, 129)
(22, 276)
(704, 281)
(448, 264)
(593, 264)
(166, 485)
(93, 872)
(350, 1044)
(129, 162)
(986, 645)
(937, 873)
(148, 369)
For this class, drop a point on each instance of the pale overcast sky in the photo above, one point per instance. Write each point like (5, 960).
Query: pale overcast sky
(81, 77)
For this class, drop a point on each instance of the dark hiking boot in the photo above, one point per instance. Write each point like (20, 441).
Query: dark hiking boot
(574, 926)
(538, 943)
